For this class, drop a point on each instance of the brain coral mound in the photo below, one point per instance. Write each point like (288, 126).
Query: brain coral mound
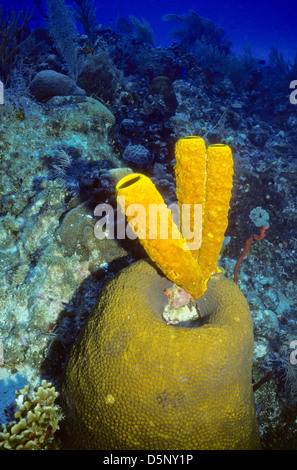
(134, 382)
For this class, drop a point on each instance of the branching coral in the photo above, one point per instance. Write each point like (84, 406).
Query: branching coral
(64, 34)
(10, 34)
(36, 420)
(193, 27)
(85, 13)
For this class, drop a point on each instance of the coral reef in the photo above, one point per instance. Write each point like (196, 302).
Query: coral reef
(56, 157)
(37, 283)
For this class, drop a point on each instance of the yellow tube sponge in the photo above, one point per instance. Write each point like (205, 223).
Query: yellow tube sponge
(190, 176)
(204, 181)
(216, 207)
(205, 177)
(157, 231)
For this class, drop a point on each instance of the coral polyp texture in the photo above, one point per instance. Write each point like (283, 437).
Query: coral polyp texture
(135, 381)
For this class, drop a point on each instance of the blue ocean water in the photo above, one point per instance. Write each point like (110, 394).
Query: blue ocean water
(255, 24)
(83, 100)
